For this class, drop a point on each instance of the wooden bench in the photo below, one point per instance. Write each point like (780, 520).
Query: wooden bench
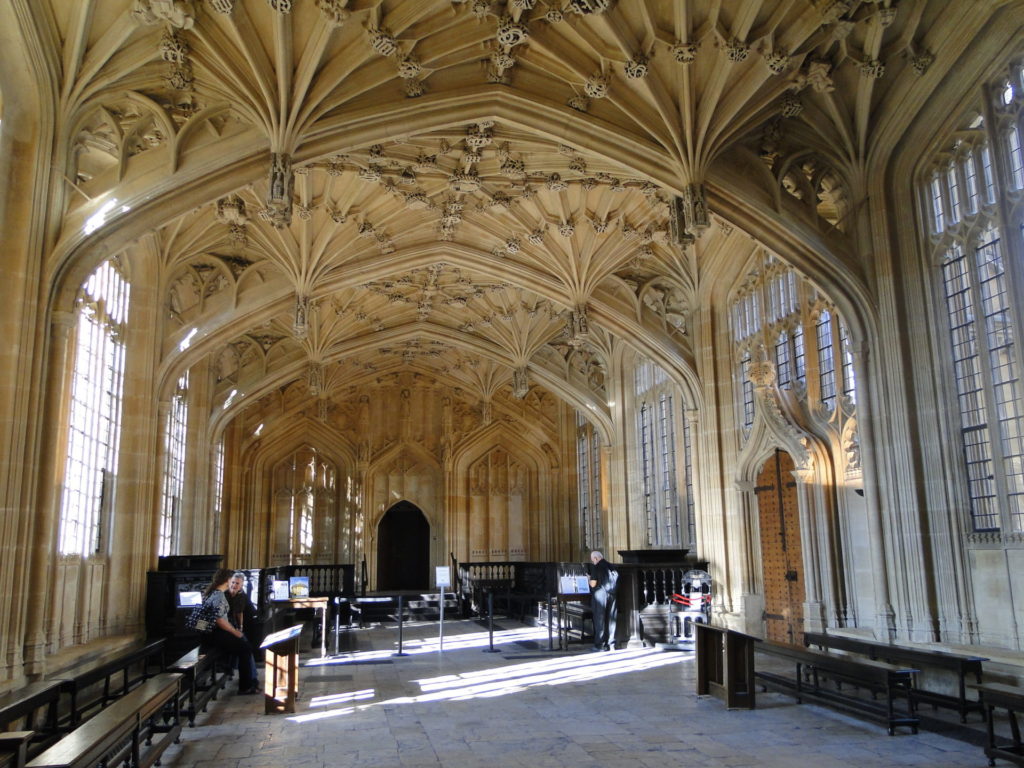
(877, 677)
(115, 679)
(34, 710)
(134, 730)
(200, 681)
(1010, 698)
(959, 664)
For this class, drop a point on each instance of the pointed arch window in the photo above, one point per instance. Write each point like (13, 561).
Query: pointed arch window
(94, 419)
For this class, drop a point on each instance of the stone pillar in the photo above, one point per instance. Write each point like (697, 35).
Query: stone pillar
(136, 508)
(53, 448)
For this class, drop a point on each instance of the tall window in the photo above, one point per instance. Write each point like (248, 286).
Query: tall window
(826, 360)
(978, 259)
(218, 491)
(656, 448)
(173, 491)
(305, 493)
(97, 387)
(588, 473)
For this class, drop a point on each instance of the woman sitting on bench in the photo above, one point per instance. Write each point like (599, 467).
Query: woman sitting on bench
(224, 636)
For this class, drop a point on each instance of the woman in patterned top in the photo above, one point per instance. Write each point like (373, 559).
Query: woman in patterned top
(226, 637)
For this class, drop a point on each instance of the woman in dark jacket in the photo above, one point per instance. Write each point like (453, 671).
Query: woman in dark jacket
(226, 637)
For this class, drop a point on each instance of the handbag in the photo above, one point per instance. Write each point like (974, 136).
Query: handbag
(203, 617)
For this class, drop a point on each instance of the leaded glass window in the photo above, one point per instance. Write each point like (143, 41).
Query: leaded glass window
(94, 419)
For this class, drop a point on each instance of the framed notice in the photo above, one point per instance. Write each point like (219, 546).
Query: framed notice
(573, 585)
(443, 575)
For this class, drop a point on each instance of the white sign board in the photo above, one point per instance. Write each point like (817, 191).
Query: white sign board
(444, 575)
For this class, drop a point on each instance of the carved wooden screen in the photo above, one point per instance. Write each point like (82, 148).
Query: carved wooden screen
(781, 554)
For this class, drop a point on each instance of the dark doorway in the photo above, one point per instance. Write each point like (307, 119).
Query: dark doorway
(403, 549)
(781, 556)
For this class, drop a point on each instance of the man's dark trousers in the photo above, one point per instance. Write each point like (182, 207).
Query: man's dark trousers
(603, 604)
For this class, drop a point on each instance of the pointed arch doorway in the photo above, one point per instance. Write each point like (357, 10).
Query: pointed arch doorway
(403, 549)
(782, 560)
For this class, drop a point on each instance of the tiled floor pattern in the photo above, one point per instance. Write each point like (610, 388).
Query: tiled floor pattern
(525, 706)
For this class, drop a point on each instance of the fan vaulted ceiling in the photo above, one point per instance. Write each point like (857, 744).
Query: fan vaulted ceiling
(484, 193)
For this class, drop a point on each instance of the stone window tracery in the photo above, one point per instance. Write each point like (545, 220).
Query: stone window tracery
(94, 419)
(780, 317)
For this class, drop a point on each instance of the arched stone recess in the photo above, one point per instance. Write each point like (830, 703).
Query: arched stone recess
(497, 482)
(405, 471)
(248, 531)
(813, 180)
(777, 425)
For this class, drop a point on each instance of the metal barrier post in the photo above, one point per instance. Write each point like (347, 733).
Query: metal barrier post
(551, 637)
(490, 623)
(401, 619)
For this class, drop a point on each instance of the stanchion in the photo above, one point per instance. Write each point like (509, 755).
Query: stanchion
(337, 623)
(490, 624)
(551, 637)
(440, 625)
(401, 619)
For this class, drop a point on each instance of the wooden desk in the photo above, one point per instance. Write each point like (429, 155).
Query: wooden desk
(317, 604)
(564, 623)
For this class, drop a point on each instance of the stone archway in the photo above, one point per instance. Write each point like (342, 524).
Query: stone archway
(403, 549)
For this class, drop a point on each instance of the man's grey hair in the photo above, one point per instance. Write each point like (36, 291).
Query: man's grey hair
(239, 575)
(596, 554)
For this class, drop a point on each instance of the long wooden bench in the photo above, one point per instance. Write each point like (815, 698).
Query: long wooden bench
(876, 677)
(959, 664)
(134, 730)
(1010, 698)
(200, 683)
(34, 711)
(113, 679)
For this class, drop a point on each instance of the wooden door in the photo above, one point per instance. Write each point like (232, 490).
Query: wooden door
(781, 554)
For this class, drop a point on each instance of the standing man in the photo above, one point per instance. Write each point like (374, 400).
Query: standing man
(240, 609)
(603, 580)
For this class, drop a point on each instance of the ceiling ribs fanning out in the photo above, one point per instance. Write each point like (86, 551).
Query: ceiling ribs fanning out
(544, 215)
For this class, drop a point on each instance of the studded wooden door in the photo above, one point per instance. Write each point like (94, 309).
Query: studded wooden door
(781, 554)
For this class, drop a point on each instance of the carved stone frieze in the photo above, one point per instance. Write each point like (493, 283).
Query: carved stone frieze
(179, 14)
(334, 11)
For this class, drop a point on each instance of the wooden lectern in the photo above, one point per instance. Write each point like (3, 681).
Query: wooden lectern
(281, 670)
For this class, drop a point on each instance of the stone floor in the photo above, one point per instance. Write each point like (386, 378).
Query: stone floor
(526, 706)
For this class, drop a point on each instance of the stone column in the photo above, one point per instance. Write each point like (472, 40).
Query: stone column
(53, 448)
